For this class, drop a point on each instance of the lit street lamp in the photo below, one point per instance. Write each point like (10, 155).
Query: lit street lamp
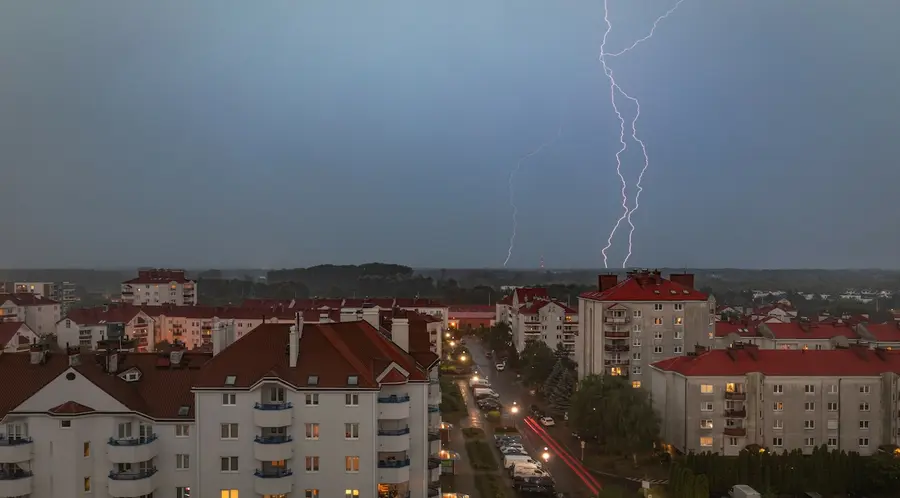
(462, 358)
(546, 454)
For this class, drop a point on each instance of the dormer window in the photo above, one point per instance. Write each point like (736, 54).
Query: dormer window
(230, 380)
(353, 380)
(132, 376)
(312, 380)
(184, 410)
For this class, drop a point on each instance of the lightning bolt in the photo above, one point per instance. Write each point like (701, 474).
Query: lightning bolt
(614, 89)
(512, 190)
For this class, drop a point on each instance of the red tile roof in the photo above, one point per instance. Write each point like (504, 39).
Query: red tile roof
(26, 299)
(103, 314)
(330, 351)
(741, 329)
(8, 330)
(71, 408)
(417, 303)
(473, 308)
(394, 377)
(646, 286)
(884, 332)
(855, 361)
(528, 294)
(809, 331)
(536, 306)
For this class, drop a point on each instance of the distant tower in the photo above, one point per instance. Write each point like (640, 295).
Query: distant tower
(542, 261)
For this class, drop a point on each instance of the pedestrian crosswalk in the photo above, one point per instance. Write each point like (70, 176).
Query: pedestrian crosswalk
(632, 479)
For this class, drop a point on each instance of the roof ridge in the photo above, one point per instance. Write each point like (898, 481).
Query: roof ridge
(332, 336)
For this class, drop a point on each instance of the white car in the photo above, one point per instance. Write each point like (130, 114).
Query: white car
(500, 366)
(547, 421)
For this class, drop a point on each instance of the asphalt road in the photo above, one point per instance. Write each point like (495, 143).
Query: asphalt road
(570, 476)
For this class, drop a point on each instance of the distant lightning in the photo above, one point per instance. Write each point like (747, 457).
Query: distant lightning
(614, 89)
(512, 190)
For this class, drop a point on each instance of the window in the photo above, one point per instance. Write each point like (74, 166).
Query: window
(351, 431)
(229, 399)
(636, 343)
(863, 407)
(732, 441)
(678, 349)
(87, 449)
(312, 400)
(777, 441)
(657, 307)
(832, 442)
(312, 380)
(636, 329)
(87, 484)
(351, 464)
(312, 493)
(706, 389)
(182, 430)
(833, 389)
(778, 406)
(706, 441)
(183, 492)
(657, 321)
(706, 406)
(182, 462)
(809, 406)
(863, 389)
(679, 335)
(230, 464)
(778, 424)
(809, 389)
(352, 380)
(658, 334)
(777, 389)
(351, 493)
(312, 464)
(636, 383)
(863, 442)
(636, 371)
(277, 395)
(637, 313)
(312, 431)
(864, 425)
(230, 380)
(124, 431)
(810, 441)
(706, 424)
(833, 425)
(679, 307)
(809, 424)
(657, 349)
(65, 424)
(229, 431)
(229, 493)
(351, 399)
(832, 406)
(678, 320)
(636, 356)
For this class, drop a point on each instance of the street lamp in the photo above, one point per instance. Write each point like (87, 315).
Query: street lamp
(462, 358)
(452, 344)
(546, 454)
(475, 378)
(514, 409)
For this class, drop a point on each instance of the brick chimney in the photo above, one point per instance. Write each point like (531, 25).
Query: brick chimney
(606, 282)
(683, 279)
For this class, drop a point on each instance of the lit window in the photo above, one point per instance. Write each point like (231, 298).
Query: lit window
(679, 320)
(706, 441)
(312, 464)
(351, 493)
(351, 464)
(312, 493)
(229, 493)
(706, 424)
(615, 371)
(635, 384)
(87, 484)
(87, 449)
(312, 431)
(778, 406)
(657, 321)
(706, 389)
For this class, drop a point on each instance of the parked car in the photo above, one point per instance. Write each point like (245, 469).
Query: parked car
(547, 421)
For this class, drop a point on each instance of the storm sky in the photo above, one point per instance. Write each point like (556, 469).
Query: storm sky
(273, 133)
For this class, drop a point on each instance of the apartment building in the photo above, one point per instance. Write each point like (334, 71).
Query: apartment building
(886, 335)
(85, 327)
(519, 297)
(550, 322)
(802, 334)
(38, 312)
(302, 410)
(724, 400)
(626, 326)
(160, 286)
(472, 316)
(16, 336)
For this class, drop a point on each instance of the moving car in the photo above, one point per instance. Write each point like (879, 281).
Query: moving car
(547, 421)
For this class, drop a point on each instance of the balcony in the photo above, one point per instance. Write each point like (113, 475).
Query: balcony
(616, 334)
(736, 413)
(393, 441)
(434, 435)
(393, 471)
(736, 395)
(393, 407)
(434, 463)
(273, 448)
(273, 482)
(15, 483)
(132, 484)
(616, 320)
(617, 349)
(617, 363)
(434, 491)
(132, 450)
(273, 414)
(434, 408)
(735, 431)
(15, 450)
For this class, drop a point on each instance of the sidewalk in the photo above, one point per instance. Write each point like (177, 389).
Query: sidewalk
(464, 479)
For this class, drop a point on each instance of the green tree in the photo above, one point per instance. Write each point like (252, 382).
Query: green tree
(553, 378)
(499, 337)
(701, 487)
(536, 362)
(561, 392)
(619, 416)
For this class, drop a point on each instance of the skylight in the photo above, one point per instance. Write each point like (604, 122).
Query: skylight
(353, 380)
(184, 410)
(230, 380)
(312, 380)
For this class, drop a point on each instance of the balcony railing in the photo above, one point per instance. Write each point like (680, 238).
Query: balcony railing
(395, 494)
(273, 439)
(434, 491)
(393, 464)
(434, 381)
(735, 413)
(131, 475)
(393, 432)
(735, 431)
(618, 349)
(16, 441)
(434, 436)
(616, 334)
(616, 319)
(132, 441)
(273, 406)
(394, 399)
(433, 408)
(15, 474)
(616, 362)
(273, 473)
(434, 462)
(736, 395)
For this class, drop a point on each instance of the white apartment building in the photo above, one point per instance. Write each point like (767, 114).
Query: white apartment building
(301, 410)
(626, 326)
(86, 326)
(62, 292)
(550, 322)
(38, 312)
(724, 400)
(160, 286)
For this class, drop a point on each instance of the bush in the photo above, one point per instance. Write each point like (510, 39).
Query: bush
(493, 416)
(481, 455)
(473, 433)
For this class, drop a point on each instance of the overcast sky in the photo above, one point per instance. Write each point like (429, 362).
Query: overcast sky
(285, 133)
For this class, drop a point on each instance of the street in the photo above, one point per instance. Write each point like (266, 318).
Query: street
(570, 475)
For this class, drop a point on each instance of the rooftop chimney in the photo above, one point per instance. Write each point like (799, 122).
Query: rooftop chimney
(112, 361)
(608, 281)
(176, 354)
(294, 339)
(324, 317)
(400, 332)
(373, 316)
(38, 354)
(683, 279)
(222, 334)
(74, 355)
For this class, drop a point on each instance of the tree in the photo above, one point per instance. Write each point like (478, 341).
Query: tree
(561, 392)
(499, 337)
(701, 487)
(618, 415)
(536, 362)
(553, 378)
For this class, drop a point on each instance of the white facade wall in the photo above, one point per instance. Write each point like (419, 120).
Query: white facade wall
(157, 294)
(40, 318)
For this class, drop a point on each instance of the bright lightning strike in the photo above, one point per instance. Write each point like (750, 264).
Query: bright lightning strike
(512, 191)
(614, 89)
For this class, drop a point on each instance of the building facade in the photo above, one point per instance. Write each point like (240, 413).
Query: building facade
(158, 287)
(550, 322)
(626, 326)
(38, 312)
(724, 400)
